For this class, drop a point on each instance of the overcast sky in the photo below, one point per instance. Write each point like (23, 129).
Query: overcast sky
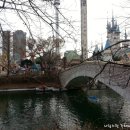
(98, 12)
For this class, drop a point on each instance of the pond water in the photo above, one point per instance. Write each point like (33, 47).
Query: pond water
(74, 110)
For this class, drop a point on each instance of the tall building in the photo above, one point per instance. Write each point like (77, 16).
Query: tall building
(5, 42)
(6, 50)
(84, 29)
(57, 3)
(19, 45)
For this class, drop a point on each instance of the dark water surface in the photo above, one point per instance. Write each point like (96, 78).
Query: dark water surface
(64, 111)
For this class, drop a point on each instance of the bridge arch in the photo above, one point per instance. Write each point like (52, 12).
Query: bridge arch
(112, 75)
(78, 82)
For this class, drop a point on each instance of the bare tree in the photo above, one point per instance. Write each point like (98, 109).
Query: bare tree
(118, 58)
(35, 13)
(44, 49)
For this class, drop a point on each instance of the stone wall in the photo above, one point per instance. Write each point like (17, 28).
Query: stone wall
(113, 75)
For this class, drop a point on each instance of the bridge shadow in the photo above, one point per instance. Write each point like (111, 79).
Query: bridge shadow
(92, 116)
(84, 82)
(78, 82)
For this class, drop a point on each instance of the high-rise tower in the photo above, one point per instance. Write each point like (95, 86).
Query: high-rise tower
(57, 3)
(84, 29)
(19, 45)
(5, 42)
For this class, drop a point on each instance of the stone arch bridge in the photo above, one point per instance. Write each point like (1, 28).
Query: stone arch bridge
(115, 76)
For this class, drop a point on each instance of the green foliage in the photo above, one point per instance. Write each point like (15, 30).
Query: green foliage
(38, 60)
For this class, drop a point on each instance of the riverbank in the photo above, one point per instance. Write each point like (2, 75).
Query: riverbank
(28, 82)
(18, 85)
(28, 85)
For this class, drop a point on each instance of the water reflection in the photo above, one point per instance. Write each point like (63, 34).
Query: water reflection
(66, 111)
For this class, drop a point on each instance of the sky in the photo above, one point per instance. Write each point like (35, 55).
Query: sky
(98, 13)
